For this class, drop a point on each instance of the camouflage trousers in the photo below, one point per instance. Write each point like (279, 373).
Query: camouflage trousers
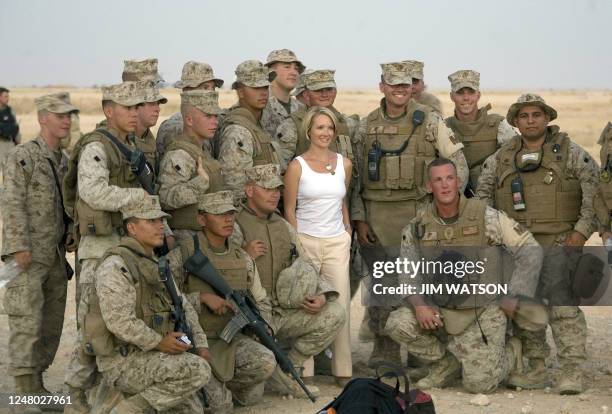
(5, 147)
(81, 371)
(167, 382)
(569, 331)
(308, 334)
(483, 366)
(35, 302)
(254, 365)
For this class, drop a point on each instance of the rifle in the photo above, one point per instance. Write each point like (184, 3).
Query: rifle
(138, 163)
(178, 312)
(247, 314)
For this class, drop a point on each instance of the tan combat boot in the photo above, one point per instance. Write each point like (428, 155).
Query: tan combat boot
(385, 350)
(442, 373)
(514, 356)
(284, 384)
(136, 404)
(535, 378)
(78, 402)
(571, 381)
(25, 385)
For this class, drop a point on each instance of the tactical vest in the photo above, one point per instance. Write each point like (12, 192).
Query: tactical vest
(263, 151)
(467, 235)
(342, 144)
(479, 139)
(153, 303)
(148, 146)
(403, 176)
(9, 129)
(89, 220)
(274, 233)
(605, 177)
(232, 266)
(185, 218)
(552, 197)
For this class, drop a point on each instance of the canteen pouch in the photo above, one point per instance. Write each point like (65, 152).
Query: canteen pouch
(93, 222)
(97, 339)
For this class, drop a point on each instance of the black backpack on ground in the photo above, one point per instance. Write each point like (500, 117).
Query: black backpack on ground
(372, 396)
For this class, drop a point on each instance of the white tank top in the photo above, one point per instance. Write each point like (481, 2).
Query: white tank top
(319, 201)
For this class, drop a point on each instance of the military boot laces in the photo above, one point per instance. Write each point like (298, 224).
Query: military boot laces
(385, 350)
(26, 385)
(78, 402)
(136, 404)
(571, 381)
(442, 373)
(535, 378)
(284, 384)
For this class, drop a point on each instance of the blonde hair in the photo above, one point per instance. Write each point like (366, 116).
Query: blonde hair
(314, 112)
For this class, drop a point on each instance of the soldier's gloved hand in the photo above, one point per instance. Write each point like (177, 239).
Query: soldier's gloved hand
(216, 304)
(23, 259)
(171, 344)
(428, 317)
(204, 353)
(314, 304)
(255, 248)
(365, 235)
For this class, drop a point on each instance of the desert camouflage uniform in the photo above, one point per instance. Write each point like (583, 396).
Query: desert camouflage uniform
(193, 75)
(483, 365)
(431, 101)
(388, 214)
(165, 381)
(275, 112)
(239, 149)
(567, 322)
(32, 213)
(603, 202)
(94, 189)
(254, 363)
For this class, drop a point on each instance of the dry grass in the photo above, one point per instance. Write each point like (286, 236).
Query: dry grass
(582, 114)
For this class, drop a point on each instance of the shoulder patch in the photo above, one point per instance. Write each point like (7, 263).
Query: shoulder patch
(240, 144)
(97, 159)
(124, 270)
(22, 162)
(177, 167)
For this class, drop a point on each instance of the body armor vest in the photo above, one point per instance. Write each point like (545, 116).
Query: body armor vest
(274, 233)
(148, 146)
(467, 236)
(91, 221)
(153, 303)
(479, 139)
(605, 180)
(263, 151)
(341, 145)
(232, 266)
(403, 176)
(185, 218)
(552, 198)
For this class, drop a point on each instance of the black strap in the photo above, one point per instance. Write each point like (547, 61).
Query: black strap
(395, 371)
(127, 153)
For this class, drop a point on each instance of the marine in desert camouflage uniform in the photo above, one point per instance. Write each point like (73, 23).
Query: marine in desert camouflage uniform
(244, 141)
(418, 87)
(479, 232)
(187, 170)
(480, 132)
(195, 76)
(104, 184)
(130, 327)
(310, 325)
(553, 171)
(386, 203)
(281, 103)
(241, 367)
(33, 237)
(603, 201)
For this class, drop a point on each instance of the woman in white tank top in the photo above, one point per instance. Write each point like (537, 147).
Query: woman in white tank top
(315, 204)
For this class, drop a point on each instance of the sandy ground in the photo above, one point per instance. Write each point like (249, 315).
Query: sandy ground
(581, 113)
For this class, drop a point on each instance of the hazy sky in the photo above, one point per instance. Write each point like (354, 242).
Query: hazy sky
(514, 44)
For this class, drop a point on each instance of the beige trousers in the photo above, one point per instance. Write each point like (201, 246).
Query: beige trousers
(331, 255)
